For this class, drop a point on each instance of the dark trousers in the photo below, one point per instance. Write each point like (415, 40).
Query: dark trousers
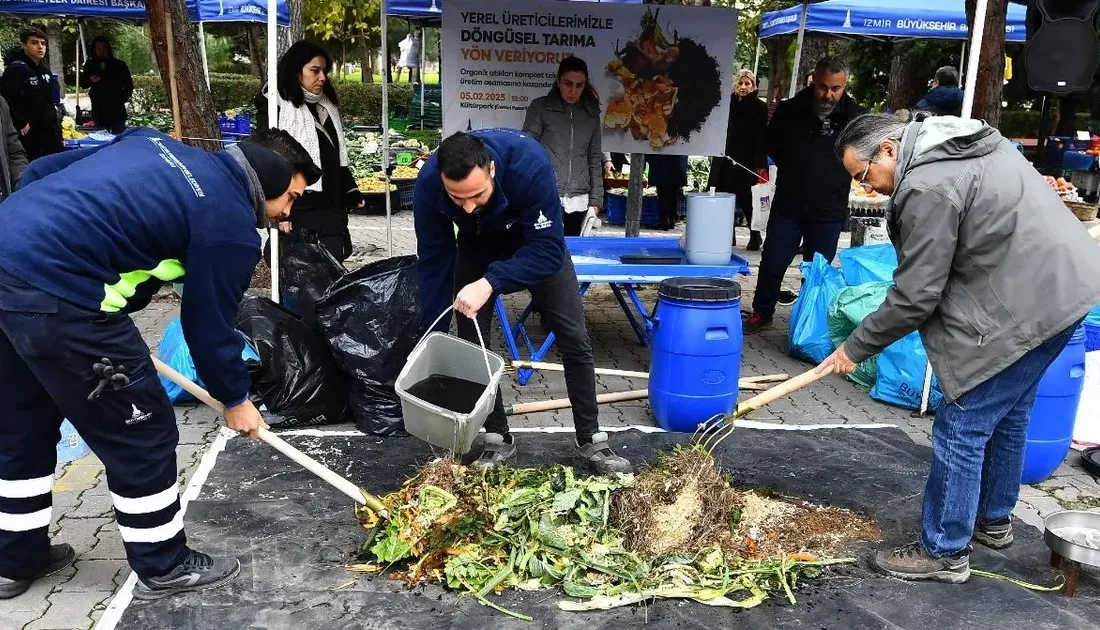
(786, 237)
(668, 201)
(559, 300)
(47, 350)
(574, 223)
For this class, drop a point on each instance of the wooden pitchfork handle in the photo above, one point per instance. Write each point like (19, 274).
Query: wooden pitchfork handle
(354, 492)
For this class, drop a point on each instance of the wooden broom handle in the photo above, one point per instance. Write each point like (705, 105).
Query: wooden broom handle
(354, 492)
(780, 391)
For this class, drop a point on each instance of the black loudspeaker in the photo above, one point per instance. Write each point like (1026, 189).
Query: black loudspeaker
(1062, 51)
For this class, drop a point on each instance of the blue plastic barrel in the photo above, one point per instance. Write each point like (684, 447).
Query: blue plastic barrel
(1050, 431)
(696, 351)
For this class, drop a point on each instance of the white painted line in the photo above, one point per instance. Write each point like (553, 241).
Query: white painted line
(740, 424)
(125, 595)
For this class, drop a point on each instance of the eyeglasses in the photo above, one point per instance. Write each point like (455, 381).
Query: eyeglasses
(863, 180)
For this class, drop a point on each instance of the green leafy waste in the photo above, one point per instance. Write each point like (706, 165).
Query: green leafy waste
(529, 529)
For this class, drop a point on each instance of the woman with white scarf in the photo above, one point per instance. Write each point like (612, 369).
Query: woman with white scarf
(307, 110)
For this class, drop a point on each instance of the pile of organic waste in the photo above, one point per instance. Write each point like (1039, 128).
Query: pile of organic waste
(679, 529)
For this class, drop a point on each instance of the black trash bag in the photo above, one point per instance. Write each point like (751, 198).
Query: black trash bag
(370, 320)
(306, 270)
(296, 376)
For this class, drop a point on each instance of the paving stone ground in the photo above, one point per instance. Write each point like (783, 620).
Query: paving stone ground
(83, 515)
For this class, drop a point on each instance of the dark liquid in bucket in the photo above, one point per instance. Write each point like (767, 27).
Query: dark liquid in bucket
(455, 394)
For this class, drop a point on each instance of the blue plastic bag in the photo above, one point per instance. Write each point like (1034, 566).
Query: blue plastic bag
(900, 378)
(869, 263)
(809, 337)
(173, 351)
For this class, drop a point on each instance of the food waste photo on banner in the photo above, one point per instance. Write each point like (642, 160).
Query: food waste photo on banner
(663, 74)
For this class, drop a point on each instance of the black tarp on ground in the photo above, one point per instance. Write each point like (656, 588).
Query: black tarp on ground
(294, 535)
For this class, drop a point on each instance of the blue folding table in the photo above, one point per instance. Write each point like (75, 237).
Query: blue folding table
(597, 260)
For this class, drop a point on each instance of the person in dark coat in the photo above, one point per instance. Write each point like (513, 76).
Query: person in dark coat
(110, 86)
(945, 99)
(308, 111)
(811, 195)
(13, 157)
(28, 86)
(745, 144)
(668, 173)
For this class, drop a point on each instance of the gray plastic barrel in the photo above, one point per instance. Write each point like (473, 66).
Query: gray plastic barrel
(709, 238)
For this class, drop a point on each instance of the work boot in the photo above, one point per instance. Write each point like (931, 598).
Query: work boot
(755, 241)
(197, 572)
(757, 323)
(499, 449)
(61, 556)
(994, 536)
(601, 458)
(912, 562)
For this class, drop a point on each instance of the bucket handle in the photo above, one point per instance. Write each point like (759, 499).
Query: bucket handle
(477, 327)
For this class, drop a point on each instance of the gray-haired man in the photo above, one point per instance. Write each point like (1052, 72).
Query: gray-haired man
(996, 275)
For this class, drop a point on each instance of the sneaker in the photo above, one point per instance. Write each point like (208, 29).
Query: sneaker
(755, 241)
(197, 573)
(497, 451)
(994, 536)
(599, 456)
(61, 556)
(786, 298)
(912, 562)
(757, 323)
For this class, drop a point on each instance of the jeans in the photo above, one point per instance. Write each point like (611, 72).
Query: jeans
(559, 301)
(978, 452)
(786, 237)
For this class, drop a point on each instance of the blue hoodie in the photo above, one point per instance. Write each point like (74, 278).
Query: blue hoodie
(517, 237)
(945, 100)
(106, 230)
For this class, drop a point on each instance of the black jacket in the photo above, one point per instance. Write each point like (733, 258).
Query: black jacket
(28, 88)
(745, 143)
(324, 212)
(811, 182)
(13, 157)
(111, 93)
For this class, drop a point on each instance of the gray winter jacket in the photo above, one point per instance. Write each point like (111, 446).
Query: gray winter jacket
(991, 264)
(571, 135)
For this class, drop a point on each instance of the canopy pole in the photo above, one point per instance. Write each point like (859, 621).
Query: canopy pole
(795, 79)
(962, 64)
(272, 122)
(423, 67)
(977, 39)
(176, 122)
(202, 49)
(386, 132)
(756, 62)
(80, 32)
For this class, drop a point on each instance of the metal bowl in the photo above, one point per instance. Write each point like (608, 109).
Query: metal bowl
(1081, 543)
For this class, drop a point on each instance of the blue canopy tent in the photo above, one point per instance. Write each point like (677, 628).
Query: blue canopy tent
(928, 19)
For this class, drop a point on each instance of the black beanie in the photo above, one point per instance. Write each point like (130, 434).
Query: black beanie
(271, 169)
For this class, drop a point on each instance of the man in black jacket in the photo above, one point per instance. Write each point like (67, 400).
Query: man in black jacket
(110, 86)
(27, 84)
(811, 195)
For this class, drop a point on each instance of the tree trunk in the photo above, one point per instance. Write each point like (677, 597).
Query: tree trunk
(813, 49)
(365, 60)
(197, 116)
(634, 195)
(297, 30)
(991, 64)
(56, 54)
(257, 52)
(779, 71)
(904, 88)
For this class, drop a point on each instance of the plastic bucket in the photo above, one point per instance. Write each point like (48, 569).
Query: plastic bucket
(696, 358)
(1087, 427)
(1050, 430)
(441, 354)
(709, 234)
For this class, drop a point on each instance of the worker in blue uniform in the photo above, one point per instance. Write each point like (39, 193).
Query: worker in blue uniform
(498, 187)
(88, 241)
